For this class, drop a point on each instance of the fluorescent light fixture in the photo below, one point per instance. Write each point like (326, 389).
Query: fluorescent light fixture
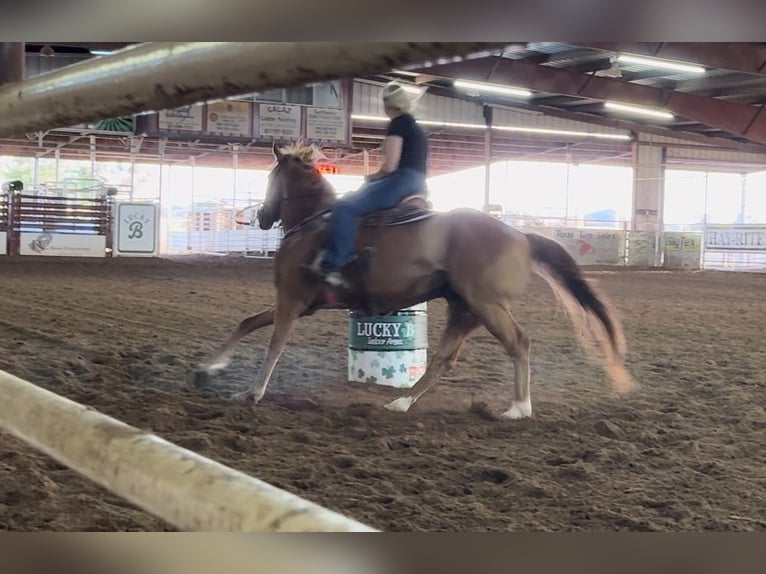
(520, 129)
(492, 88)
(663, 64)
(439, 124)
(572, 133)
(364, 118)
(101, 52)
(661, 114)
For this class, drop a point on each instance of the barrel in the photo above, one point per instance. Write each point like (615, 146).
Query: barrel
(391, 350)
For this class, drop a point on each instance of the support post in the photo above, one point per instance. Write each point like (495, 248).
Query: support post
(12, 60)
(649, 191)
(487, 155)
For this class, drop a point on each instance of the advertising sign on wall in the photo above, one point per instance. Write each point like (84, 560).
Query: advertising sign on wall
(183, 119)
(642, 248)
(682, 250)
(279, 121)
(593, 247)
(735, 238)
(137, 226)
(62, 245)
(229, 118)
(325, 124)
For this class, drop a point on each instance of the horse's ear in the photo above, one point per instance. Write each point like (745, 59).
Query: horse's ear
(277, 153)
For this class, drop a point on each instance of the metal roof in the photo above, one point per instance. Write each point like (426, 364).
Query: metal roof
(717, 110)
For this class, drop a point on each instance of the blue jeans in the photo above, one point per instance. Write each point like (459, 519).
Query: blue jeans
(378, 195)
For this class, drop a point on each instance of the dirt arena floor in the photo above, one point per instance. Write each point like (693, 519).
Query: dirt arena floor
(687, 451)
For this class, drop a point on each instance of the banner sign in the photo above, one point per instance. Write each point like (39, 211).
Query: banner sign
(325, 124)
(593, 247)
(279, 121)
(682, 250)
(735, 238)
(642, 248)
(137, 230)
(183, 119)
(229, 118)
(62, 245)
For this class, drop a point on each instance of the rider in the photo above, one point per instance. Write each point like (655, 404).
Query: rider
(402, 173)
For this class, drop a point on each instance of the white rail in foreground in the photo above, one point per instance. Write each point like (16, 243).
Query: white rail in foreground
(185, 489)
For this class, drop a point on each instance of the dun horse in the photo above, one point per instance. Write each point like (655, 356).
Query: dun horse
(409, 255)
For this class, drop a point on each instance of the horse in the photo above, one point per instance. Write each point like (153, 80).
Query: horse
(412, 254)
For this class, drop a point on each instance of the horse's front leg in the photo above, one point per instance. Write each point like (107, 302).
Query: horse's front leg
(222, 357)
(285, 316)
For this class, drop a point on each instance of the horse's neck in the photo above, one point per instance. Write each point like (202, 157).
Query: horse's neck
(308, 206)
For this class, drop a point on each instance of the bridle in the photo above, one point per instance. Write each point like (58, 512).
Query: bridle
(276, 203)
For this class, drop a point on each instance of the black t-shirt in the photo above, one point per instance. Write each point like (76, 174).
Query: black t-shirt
(414, 142)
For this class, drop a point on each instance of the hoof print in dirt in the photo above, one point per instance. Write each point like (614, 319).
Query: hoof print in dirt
(200, 379)
(483, 411)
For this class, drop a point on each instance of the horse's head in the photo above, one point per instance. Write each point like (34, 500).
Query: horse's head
(295, 187)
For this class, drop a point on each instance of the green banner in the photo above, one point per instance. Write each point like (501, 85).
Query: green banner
(394, 333)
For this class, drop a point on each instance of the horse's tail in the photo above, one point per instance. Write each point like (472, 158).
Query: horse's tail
(587, 309)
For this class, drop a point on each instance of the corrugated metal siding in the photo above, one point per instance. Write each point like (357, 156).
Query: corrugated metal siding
(440, 108)
(717, 156)
(534, 120)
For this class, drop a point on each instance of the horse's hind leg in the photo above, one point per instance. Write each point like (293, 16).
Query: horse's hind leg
(460, 323)
(221, 359)
(499, 321)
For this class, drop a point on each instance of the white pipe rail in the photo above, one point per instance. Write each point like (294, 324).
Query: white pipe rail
(183, 488)
(162, 75)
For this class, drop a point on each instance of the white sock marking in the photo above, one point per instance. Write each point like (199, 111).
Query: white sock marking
(519, 410)
(400, 405)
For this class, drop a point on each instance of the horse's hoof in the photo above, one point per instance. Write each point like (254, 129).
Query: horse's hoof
(520, 410)
(244, 397)
(400, 405)
(201, 378)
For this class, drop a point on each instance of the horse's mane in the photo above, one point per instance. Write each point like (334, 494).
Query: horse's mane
(308, 154)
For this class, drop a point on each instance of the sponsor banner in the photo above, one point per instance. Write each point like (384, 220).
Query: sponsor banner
(391, 333)
(593, 247)
(183, 119)
(62, 245)
(642, 248)
(326, 124)
(735, 238)
(137, 230)
(230, 118)
(3, 243)
(279, 121)
(682, 250)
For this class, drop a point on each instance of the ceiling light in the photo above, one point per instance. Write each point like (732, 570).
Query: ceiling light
(665, 64)
(573, 133)
(101, 52)
(493, 88)
(662, 114)
(541, 131)
(363, 118)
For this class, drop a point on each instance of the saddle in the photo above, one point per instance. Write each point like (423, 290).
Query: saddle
(411, 209)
